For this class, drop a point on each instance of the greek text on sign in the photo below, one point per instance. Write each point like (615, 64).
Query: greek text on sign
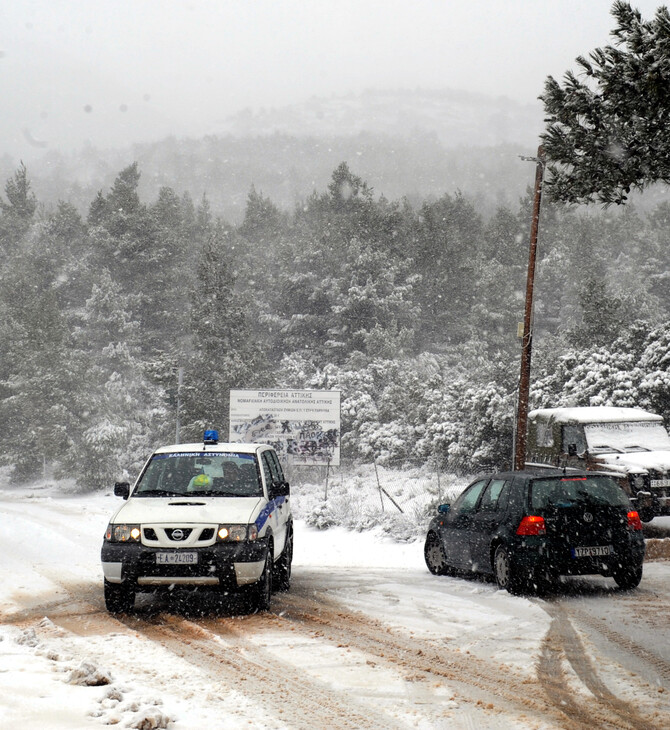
(302, 425)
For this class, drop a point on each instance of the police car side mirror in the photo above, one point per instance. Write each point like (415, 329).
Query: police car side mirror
(122, 489)
(443, 509)
(280, 489)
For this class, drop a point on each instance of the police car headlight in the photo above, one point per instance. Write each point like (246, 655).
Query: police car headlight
(123, 533)
(236, 533)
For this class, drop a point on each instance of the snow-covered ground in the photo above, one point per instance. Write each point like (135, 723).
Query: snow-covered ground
(366, 637)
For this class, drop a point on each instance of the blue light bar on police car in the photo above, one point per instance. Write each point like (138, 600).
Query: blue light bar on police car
(211, 436)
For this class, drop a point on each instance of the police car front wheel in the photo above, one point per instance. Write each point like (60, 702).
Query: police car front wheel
(261, 593)
(119, 598)
(282, 569)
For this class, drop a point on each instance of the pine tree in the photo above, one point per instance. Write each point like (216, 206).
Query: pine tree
(654, 370)
(499, 280)
(147, 250)
(263, 222)
(17, 213)
(225, 351)
(119, 412)
(21, 200)
(448, 255)
(35, 383)
(607, 133)
(350, 286)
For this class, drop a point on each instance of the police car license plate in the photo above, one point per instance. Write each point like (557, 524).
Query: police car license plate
(591, 552)
(176, 558)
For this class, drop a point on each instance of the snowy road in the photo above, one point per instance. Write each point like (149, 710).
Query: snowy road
(366, 638)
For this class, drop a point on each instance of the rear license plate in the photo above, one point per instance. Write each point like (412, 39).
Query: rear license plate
(591, 552)
(176, 558)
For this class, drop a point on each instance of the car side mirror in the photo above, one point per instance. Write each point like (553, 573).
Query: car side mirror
(443, 509)
(122, 489)
(572, 449)
(280, 489)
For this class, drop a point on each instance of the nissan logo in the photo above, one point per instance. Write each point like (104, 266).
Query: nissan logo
(179, 534)
(588, 517)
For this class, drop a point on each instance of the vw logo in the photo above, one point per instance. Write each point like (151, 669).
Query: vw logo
(588, 517)
(179, 534)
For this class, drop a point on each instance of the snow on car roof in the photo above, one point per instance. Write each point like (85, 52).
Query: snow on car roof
(593, 414)
(226, 448)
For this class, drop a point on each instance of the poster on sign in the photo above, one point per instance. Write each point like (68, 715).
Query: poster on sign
(302, 425)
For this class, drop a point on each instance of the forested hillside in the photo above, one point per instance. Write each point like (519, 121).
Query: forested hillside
(409, 307)
(287, 168)
(404, 143)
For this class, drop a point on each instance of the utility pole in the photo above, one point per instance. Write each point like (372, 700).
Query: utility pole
(527, 336)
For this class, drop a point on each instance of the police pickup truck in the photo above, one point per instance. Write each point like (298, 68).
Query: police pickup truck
(209, 515)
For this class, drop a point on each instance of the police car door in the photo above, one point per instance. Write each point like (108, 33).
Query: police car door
(279, 506)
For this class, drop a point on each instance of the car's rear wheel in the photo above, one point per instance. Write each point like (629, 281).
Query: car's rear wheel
(282, 570)
(507, 575)
(119, 598)
(628, 576)
(434, 555)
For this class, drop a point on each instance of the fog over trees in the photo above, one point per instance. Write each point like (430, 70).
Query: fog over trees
(410, 309)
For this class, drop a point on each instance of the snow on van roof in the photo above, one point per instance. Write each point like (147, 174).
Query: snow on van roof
(593, 414)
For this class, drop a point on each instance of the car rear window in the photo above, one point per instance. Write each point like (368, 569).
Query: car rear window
(566, 491)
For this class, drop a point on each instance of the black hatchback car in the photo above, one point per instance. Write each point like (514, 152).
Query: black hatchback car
(526, 528)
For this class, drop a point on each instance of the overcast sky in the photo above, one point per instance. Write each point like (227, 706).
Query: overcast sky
(112, 72)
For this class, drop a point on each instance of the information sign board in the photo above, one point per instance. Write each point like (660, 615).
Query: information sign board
(302, 425)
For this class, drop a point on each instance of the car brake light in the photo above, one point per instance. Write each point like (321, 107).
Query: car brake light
(634, 521)
(532, 525)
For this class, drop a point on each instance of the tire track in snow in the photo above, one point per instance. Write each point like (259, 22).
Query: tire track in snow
(622, 641)
(479, 682)
(283, 689)
(306, 703)
(494, 688)
(421, 699)
(606, 710)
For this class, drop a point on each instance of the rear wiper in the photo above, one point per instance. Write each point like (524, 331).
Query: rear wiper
(562, 502)
(588, 498)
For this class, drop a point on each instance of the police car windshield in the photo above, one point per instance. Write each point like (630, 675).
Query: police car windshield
(205, 474)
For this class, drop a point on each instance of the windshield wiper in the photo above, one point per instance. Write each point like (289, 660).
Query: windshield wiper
(158, 493)
(218, 493)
